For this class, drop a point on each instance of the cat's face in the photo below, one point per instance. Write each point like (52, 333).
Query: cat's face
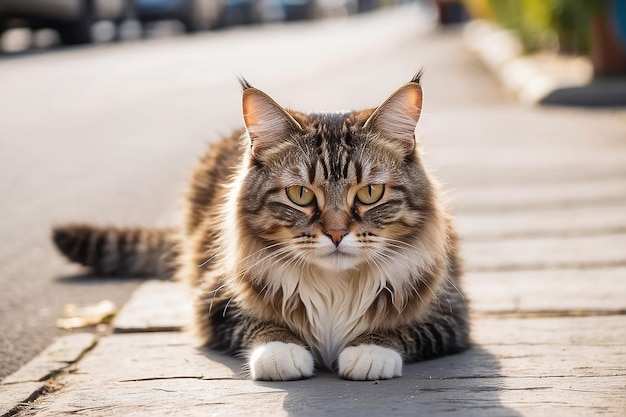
(337, 190)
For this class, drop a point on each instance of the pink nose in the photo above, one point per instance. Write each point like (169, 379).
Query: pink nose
(336, 235)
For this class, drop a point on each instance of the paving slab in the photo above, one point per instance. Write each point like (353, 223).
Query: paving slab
(554, 362)
(155, 306)
(18, 394)
(545, 253)
(527, 293)
(539, 195)
(591, 220)
(509, 148)
(30, 380)
(579, 331)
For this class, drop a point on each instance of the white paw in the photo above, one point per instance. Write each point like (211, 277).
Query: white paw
(278, 361)
(369, 362)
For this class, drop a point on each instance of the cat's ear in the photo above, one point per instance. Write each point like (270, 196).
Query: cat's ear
(268, 124)
(397, 117)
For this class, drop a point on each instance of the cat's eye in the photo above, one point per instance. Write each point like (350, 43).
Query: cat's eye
(300, 195)
(370, 194)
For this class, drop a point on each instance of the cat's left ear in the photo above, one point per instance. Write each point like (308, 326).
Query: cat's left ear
(397, 117)
(268, 124)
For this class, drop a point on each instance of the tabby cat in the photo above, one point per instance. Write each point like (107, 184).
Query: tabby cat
(314, 240)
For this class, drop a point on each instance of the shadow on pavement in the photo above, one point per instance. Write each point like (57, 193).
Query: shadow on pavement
(467, 384)
(233, 363)
(609, 92)
(92, 279)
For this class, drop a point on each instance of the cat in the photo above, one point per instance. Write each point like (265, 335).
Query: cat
(314, 241)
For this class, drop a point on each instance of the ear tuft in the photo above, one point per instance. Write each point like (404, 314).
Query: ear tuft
(243, 82)
(418, 76)
(268, 124)
(397, 117)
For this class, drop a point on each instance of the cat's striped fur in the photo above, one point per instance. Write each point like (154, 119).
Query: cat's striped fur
(118, 251)
(352, 281)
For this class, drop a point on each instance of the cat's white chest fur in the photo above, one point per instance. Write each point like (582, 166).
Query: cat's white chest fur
(336, 304)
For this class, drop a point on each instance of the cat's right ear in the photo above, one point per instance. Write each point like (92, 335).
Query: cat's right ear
(267, 123)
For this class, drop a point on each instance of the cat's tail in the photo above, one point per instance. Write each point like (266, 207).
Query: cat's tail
(112, 251)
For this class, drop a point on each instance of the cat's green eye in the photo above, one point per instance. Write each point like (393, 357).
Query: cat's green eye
(370, 194)
(300, 195)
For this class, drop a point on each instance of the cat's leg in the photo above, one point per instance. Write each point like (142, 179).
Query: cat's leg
(380, 355)
(278, 355)
(273, 353)
(369, 357)
(369, 361)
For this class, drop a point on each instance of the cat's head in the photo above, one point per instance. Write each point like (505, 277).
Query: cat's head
(336, 190)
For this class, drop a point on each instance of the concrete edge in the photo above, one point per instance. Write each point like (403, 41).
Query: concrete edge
(156, 306)
(32, 379)
(540, 78)
(142, 313)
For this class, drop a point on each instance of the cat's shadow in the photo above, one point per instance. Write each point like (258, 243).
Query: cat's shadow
(88, 278)
(467, 384)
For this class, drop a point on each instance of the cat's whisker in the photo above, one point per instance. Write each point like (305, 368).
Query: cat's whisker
(263, 249)
(401, 244)
(382, 266)
(410, 260)
(430, 268)
(226, 306)
(386, 260)
(451, 282)
(209, 259)
(263, 258)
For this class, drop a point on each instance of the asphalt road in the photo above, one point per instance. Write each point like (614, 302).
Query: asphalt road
(109, 133)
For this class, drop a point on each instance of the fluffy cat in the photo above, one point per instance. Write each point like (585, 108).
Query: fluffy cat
(314, 240)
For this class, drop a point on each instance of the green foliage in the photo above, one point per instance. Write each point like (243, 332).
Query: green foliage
(562, 25)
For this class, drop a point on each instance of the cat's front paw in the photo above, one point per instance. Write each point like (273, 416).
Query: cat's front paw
(369, 362)
(278, 361)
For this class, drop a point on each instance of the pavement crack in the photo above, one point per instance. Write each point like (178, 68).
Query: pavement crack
(480, 208)
(162, 378)
(50, 382)
(542, 234)
(547, 314)
(553, 266)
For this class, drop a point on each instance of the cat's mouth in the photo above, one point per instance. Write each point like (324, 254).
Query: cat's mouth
(338, 260)
(337, 254)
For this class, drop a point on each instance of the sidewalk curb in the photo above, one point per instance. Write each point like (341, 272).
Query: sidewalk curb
(153, 307)
(31, 380)
(540, 78)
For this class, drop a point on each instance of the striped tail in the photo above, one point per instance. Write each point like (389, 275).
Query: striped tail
(118, 251)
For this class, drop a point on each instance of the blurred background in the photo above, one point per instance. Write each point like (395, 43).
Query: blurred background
(594, 28)
(46, 23)
(106, 105)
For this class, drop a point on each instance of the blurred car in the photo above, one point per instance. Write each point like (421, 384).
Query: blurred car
(242, 12)
(301, 9)
(313, 9)
(73, 19)
(195, 15)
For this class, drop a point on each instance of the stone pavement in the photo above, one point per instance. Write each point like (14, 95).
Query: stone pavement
(540, 197)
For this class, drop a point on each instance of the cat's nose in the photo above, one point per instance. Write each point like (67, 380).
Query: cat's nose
(336, 235)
